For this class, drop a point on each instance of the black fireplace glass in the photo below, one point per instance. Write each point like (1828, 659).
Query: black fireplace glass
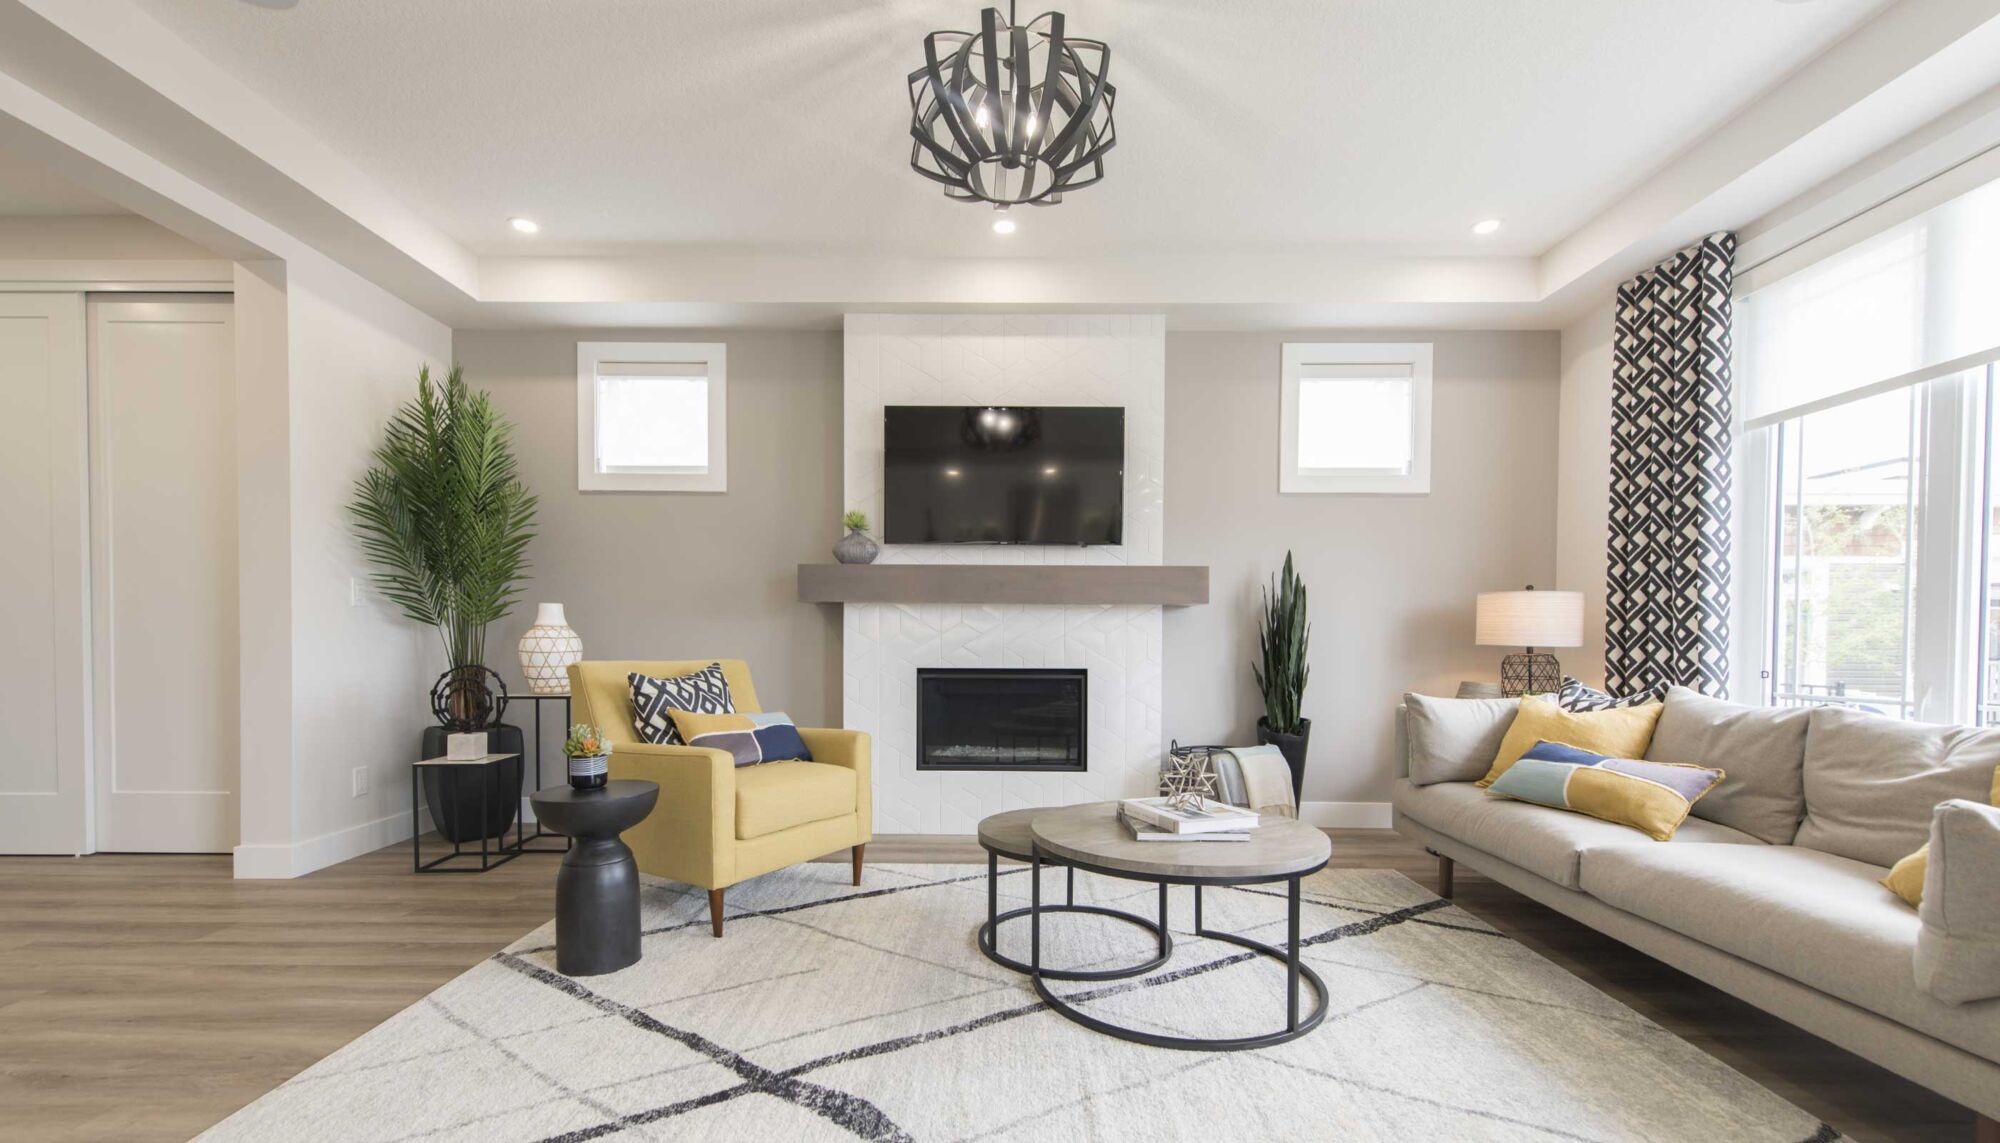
(1001, 719)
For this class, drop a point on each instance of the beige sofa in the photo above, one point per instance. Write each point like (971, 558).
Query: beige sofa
(1770, 891)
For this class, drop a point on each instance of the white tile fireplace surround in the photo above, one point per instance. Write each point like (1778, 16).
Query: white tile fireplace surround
(1017, 359)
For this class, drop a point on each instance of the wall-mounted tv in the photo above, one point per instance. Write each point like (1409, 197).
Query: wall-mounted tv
(1054, 474)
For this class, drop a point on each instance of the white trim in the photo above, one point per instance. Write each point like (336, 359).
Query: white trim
(1348, 815)
(268, 862)
(591, 354)
(116, 275)
(1414, 356)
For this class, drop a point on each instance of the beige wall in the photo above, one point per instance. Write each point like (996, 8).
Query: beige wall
(1583, 487)
(685, 575)
(1391, 578)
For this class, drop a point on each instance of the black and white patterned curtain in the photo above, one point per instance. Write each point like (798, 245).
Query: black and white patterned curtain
(1666, 605)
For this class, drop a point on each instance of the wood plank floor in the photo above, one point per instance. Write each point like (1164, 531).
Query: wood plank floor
(147, 997)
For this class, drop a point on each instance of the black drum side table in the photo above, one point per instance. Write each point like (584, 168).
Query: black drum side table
(597, 888)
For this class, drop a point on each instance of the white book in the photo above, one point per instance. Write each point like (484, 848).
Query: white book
(1142, 831)
(1210, 816)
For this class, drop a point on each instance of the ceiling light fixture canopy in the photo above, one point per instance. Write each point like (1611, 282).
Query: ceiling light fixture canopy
(1013, 113)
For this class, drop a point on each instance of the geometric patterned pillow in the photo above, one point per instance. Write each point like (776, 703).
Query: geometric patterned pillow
(705, 692)
(1576, 695)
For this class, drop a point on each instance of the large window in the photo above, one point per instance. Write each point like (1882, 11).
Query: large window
(1866, 384)
(651, 417)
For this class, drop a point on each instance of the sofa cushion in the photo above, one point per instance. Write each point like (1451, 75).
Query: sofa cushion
(1651, 797)
(1871, 782)
(1454, 740)
(1545, 842)
(1958, 949)
(1620, 733)
(1762, 750)
(1816, 917)
(780, 795)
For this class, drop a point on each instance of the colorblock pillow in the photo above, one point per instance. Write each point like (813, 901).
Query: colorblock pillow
(1651, 797)
(749, 738)
(1906, 877)
(1622, 733)
(704, 692)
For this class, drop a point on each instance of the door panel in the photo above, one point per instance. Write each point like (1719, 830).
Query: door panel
(163, 527)
(44, 608)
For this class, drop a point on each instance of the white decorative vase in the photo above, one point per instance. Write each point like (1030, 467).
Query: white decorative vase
(547, 650)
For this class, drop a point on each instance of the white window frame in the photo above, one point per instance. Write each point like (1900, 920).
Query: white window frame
(591, 355)
(1412, 355)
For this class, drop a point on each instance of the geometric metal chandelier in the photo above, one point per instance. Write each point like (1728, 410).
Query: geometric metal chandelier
(1013, 113)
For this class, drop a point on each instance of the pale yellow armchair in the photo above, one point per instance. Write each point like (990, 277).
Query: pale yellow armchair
(716, 823)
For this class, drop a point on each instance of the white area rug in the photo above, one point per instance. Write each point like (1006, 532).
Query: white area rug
(830, 1012)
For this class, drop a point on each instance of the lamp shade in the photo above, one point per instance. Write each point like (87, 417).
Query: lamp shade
(1529, 619)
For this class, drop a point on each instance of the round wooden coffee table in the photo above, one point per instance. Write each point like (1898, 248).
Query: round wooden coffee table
(1007, 835)
(1091, 838)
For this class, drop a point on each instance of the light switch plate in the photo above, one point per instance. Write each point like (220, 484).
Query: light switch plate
(360, 781)
(357, 592)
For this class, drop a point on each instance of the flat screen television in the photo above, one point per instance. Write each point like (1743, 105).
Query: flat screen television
(1003, 474)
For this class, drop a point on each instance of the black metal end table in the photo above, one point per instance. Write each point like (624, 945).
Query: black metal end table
(540, 833)
(597, 888)
(489, 857)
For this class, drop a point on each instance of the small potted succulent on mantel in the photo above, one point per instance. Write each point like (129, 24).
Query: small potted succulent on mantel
(589, 757)
(1282, 669)
(856, 547)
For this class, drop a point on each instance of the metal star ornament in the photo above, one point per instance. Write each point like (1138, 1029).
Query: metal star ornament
(1189, 778)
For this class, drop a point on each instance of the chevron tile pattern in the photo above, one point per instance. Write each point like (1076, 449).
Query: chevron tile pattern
(1666, 598)
(1021, 359)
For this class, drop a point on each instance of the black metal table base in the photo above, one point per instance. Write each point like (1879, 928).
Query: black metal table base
(1295, 1025)
(989, 932)
(489, 858)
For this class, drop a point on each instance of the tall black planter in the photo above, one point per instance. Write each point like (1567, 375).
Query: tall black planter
(1292, 746)
(453, 794)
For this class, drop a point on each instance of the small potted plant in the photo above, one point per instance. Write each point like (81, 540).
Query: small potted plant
(856, 547)
(589, 757)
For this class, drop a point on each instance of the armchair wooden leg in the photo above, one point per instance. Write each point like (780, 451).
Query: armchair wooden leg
(1986, 1130)
(715, 911)
(1444, 876)
(857, 861)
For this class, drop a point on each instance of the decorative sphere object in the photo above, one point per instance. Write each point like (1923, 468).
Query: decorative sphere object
(547, 650)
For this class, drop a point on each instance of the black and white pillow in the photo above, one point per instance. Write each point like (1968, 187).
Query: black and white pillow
(1576, 696)
(704, 692)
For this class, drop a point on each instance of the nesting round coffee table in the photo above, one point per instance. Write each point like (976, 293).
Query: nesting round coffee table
(1091, 838)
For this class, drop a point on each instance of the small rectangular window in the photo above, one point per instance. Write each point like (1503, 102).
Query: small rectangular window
(1355, 418)
(651, 417)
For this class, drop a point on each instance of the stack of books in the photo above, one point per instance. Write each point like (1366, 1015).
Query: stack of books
(1151, 819)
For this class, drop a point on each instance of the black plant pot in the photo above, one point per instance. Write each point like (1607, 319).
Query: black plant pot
(1292, 746)
(453, 792)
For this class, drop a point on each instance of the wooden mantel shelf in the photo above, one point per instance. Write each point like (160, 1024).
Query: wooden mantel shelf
(1003, 583)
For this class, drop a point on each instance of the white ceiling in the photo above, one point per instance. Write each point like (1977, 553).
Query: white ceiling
(28, 188)
(782, 124)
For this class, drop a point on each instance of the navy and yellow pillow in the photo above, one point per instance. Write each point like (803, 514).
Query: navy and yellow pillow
(1651, 797)
(749, 738)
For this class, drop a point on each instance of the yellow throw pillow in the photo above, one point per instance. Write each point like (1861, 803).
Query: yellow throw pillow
(1906, 877)
(1621, 733)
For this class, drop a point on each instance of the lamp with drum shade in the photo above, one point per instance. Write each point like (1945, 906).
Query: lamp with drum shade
(1529, 619)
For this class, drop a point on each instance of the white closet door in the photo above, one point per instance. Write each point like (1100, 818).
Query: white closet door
(163, 584)
(44, 564)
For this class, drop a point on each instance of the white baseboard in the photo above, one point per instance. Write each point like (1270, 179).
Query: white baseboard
(1346, 815)
(302, 857)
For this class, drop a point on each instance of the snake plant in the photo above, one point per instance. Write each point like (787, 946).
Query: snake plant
(1281, 669)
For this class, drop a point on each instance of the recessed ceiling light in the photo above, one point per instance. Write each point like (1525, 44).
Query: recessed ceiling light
(1003, 226)
(1487, 226)
(524, 225)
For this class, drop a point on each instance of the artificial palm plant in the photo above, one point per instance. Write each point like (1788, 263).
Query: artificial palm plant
(1281, 669)
(446, 520)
